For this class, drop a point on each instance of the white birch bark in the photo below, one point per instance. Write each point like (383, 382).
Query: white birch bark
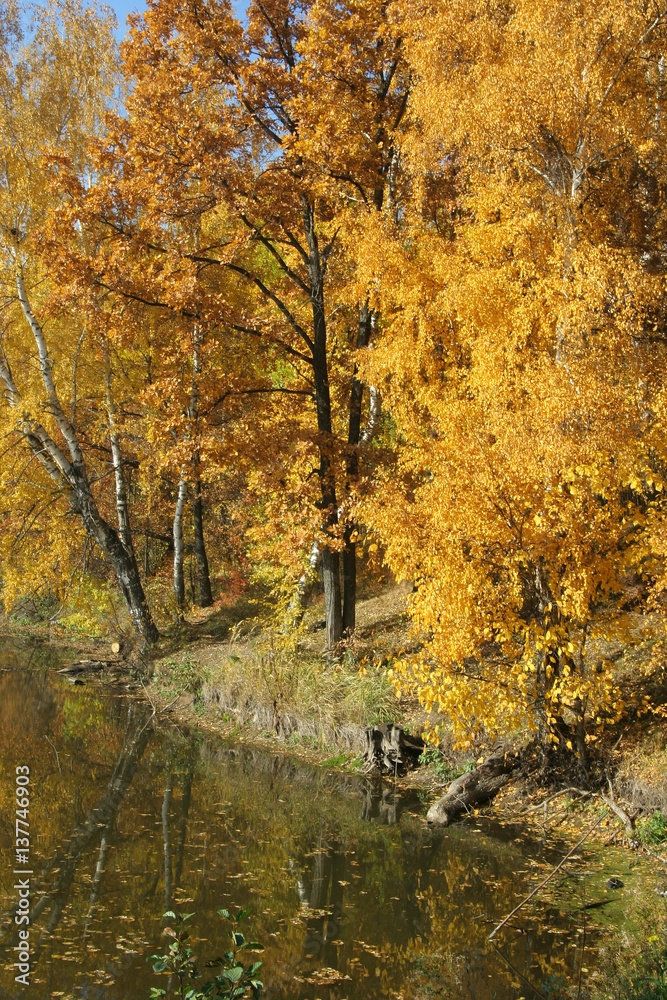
(122, 509)
(179, 583)
(46, 366)
(70, 475)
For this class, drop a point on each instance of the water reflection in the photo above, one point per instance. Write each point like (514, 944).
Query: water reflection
(52, 887)
(383, 802)
(351, 894)
(321, 888)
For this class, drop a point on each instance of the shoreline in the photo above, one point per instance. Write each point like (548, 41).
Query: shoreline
(176, 679)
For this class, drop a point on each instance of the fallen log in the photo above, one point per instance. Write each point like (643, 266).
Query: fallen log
(390, 748)
(473, 788)
(83, 665)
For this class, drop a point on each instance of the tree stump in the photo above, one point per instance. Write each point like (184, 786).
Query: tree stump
(390, 748)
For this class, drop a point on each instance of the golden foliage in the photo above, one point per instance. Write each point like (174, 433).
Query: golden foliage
(458, 208)
(523, 351)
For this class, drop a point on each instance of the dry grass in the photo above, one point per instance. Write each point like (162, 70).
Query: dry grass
(260, 679)
(292, 694)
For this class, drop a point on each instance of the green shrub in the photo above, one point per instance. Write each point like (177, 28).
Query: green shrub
(444, 770)
(234, 981)
(649, 981)
(653, 829)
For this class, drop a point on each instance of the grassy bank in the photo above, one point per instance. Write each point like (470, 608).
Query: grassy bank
(226, 669)
(257, 679)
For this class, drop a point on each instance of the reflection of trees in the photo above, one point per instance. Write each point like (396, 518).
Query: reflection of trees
(182, 825)
(173, 867)
(29, 706)
(173, 854)
(323, 894)
(166, 839)
(97, 824)
(100, 868)
(416, 891)
(380, 803)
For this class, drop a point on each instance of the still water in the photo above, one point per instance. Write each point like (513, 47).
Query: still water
(352, 895)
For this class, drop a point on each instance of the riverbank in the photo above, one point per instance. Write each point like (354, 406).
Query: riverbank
(249, 686)
(223, 670)
(535, 812)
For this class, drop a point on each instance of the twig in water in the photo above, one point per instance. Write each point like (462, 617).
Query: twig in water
(149, 697)
(547, 879)
(583, 946)
(516, 971)
(56, 753)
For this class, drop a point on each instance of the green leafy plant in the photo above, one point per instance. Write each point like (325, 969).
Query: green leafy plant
(653, 830)
(343, 760)
(234, 981)
(649, 982)
(433, 757)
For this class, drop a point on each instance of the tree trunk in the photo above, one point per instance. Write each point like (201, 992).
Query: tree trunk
(330, 557)
(299, 602)
(122, 510)
(179, 581)
(389, 748)
(71, 477)
(203, 578)
(124, 565)
(473, 789)
(349, 582)
(352, 470)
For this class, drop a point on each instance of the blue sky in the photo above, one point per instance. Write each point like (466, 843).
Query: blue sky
(122, 9)
(125, 7)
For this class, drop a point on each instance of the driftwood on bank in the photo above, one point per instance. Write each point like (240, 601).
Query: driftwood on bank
(390, 748)
(473, 788)
(86, 666)
(82, 666)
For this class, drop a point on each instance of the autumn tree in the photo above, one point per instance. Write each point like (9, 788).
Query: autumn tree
(53, 91)
(523, 353)
(239, 130)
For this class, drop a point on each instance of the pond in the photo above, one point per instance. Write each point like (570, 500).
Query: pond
(352, 895)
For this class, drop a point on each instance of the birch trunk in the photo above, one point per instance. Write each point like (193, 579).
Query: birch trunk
(304, 589)
(203, 577)
(122, 509)
(70, 475)
(179, 582)
(354, 439)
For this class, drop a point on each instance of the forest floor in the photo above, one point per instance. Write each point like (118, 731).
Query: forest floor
(225, 669)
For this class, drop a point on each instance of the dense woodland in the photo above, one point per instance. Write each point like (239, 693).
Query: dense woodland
(350, 281)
